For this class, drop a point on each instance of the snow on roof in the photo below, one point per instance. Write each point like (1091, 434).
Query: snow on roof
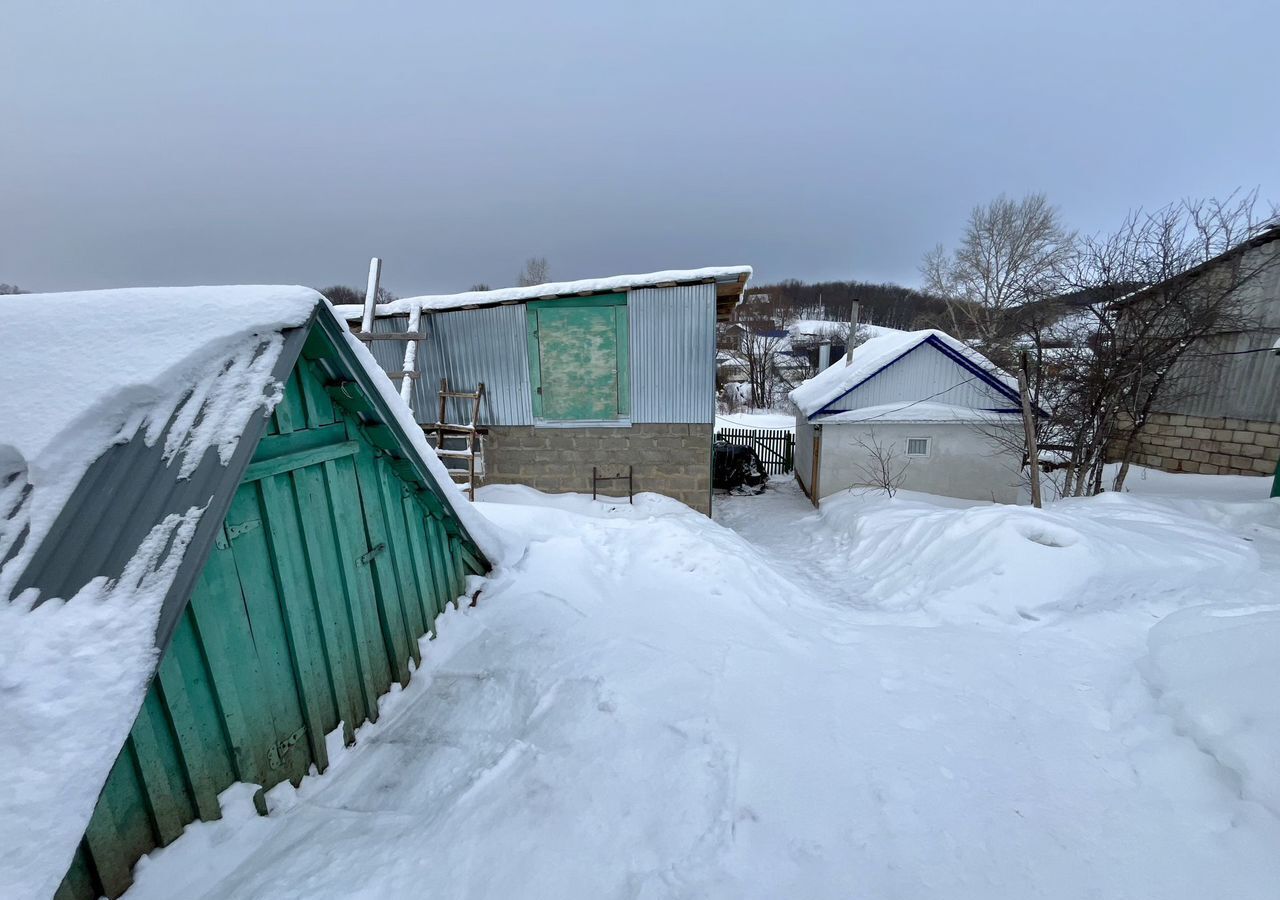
(827, 327)
(922, 412)
(555, 289)
(186, 365)
(869, 358)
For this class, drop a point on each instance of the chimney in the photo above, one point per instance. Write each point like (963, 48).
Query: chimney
(824, 356)
(853, 333)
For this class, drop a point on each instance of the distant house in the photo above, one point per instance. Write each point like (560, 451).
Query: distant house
(608, 376)
(934, 409)
(221, 539)
(1222, 412)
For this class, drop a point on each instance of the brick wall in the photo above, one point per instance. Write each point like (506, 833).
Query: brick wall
(1177, 443)
(674, 460)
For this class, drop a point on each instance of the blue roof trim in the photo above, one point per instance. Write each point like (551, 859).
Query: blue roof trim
(937, 344)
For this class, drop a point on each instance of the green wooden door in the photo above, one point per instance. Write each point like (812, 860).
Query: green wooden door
(579, 359)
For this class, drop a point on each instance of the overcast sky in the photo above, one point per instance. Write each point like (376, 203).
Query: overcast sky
(197, 143)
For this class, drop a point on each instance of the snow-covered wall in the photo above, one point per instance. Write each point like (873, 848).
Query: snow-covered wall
(963, 460)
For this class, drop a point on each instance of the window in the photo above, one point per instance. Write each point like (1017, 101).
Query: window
(578, 361)
(918, 446)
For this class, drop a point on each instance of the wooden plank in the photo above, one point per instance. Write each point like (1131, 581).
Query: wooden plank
(220, 619)
(266, 468)
(187, 691)
(435, 560)
(399, 558)
(316, 401)
(167, 796)
(348, 524)
(386, 589)
(78, 883)
(119, 830)
(420, 562)
(391, 336)
(298, 604)
(332, 603)
(274, 656)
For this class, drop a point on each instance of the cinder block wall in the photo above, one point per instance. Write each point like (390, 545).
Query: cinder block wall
(674, 460)
(1177, 443)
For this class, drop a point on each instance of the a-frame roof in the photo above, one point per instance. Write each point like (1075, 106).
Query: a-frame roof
(114, 483)
(873, 357)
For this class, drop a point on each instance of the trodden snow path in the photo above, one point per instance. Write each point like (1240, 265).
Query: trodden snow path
(651, 705)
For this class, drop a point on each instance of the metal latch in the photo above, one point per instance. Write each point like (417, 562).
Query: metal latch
(277, 752)
(369, 557)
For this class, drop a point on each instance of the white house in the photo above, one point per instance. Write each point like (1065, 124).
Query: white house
(923, 404)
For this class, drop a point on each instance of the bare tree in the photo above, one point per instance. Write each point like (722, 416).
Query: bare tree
(760, 357)
(10, 289)
(1010, 255)
(536, 271)
(480, 286)
(885, 468)
(341, 295)
(1129, 350)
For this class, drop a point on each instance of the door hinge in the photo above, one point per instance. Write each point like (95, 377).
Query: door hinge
(277, 752)
(368, 557)
(234, 531)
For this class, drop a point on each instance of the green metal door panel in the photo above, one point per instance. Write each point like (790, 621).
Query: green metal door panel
(186, 692)
(298, 602)
(386, 588)
(120, 828)
(578, 355)
(160, 766)
(246, 523)
(348, 524)
(325, 564)
(219, 614)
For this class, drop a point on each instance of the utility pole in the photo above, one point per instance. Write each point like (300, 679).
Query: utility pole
(1029, 426)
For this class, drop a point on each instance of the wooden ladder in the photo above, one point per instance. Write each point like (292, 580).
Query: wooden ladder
(472, 451)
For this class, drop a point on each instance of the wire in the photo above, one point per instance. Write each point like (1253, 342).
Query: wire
(914, 402)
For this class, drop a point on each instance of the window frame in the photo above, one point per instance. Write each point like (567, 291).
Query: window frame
(928, 447)
(622, 356)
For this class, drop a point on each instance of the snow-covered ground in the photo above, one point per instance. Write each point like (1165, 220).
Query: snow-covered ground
(762, 420)
(888, 698)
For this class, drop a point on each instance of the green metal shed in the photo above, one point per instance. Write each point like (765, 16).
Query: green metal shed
(327, 548)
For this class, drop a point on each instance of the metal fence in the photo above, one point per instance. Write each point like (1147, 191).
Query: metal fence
(775, 447)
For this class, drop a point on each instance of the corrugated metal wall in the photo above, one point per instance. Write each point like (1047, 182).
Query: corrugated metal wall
(1237, 386)
(924, 372)
(672, 349)
(467, 347)
(673, 339)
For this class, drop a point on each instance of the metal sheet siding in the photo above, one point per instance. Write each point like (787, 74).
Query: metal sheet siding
(1237, 385)
(925, 372)
(673, 339)
(467, 347)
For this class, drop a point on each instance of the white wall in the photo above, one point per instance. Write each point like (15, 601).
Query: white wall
(963, 461)
(804, 452)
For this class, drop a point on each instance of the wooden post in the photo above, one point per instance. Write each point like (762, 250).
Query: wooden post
(371, 294)
(1029, 426)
